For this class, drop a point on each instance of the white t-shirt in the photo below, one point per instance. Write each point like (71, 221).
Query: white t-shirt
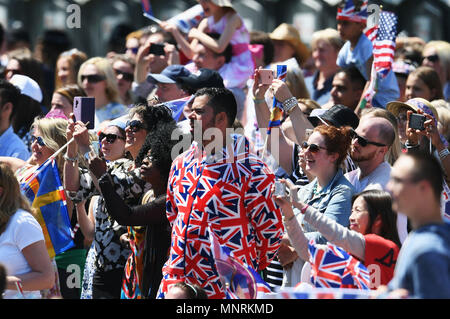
(21, 231)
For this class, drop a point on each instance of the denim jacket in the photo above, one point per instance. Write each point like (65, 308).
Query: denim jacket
(334, 200)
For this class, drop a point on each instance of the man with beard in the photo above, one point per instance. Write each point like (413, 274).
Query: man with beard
(372, 139)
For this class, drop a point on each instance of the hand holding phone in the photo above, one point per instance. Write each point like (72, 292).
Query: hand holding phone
(157, 49)
(416, 121)
(280, 189)
(84, 110)
(266, 76)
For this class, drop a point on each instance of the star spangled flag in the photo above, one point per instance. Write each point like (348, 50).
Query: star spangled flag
(277, 108)
(44, 191)
(239, 279)
(333, 267)
(382, 37)
(177, 106)
(188, 19)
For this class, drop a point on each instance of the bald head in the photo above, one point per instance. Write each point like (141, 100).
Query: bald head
(379, 127)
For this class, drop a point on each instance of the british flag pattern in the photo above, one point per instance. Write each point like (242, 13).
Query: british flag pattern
(229, 194)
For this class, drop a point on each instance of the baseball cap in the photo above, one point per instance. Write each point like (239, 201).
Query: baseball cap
(169, 75)
(338, 115)
(206, 78)
(27, 86)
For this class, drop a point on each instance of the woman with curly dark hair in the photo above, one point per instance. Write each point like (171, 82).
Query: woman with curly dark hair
(149, 233)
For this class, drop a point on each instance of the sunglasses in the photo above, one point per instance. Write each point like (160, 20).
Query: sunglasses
(110, 138)
(363, 141)
(135, 125)
(313, 148)
(432, 58)
(125, 75)
(93, 78)
(39, 140)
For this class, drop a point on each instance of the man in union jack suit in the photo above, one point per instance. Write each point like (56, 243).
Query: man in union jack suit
(218, 185)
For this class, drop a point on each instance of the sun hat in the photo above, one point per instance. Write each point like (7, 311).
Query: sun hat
(27, 86)
(287, 32)
(413, 105)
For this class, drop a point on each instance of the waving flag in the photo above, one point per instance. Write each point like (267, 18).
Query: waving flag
(239, 279)
(177, 106)
(322, 293)
(333, 267)
(147, 7)
(277, 108)
(382, 37)
(352, 10)
(44, 191)
(188, 19)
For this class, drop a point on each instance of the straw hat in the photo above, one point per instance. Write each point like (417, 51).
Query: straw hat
(287, 32)
(413, 105)
(222, 3)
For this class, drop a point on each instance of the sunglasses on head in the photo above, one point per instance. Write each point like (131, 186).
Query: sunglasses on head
(92, 78)
(313, 148)
(39, 140)
(125, 75)
(363, 141)
(135, 125)
(432, 58)
(110, 138)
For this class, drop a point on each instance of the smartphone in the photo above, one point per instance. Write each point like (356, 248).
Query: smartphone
(84, 110)
(266, 76)
(157, 49)
(280, 189)
(416, 121)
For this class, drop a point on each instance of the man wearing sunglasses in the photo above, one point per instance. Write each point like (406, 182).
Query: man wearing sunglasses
(10, 144)
(224, 190)
(372, 139)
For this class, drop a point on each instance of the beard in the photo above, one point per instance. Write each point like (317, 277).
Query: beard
(358, 157)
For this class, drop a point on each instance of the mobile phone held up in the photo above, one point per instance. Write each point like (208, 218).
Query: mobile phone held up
(84, 110)
(416, 121)
(266, 76)
(157, 49)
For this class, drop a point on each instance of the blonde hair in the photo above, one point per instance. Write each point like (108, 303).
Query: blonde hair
(104, 68)
(443, 110)
(11, 198)
(328, 35)
(443, 51)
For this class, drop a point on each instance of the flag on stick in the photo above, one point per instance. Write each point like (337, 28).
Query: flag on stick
(44, 191)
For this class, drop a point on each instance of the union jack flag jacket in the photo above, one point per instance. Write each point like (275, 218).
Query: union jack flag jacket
(230, 193)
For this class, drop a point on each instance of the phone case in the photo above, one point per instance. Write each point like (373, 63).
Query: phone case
(266, 76)
(84, 110)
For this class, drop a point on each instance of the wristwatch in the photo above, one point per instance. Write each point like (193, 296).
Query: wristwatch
(70, 159)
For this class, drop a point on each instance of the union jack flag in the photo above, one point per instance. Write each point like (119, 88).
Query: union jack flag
(241, 280)
(352, 10)
(333, 267)
(147, 7)
(382, 37)
(277, 108)
(177, 106)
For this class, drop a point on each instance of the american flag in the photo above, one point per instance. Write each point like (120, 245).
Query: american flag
(333, 267)
(382, 37)
(383, 40)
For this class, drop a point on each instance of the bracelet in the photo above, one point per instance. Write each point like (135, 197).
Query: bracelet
(258, 101)
(289, 104)
(303, 210)
(409, 146)
(444, 153)
(70, 159)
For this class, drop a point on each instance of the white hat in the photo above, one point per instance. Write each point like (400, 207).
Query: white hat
(27, 86)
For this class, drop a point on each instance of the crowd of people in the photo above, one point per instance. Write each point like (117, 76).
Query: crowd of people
(157, 178)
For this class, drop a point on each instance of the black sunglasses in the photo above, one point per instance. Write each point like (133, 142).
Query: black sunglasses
(39, 140)
(93, 78)
(110, 138)
(313, 148)
(432, 58)
(125, 75)
(135, 125)
(363, 141)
